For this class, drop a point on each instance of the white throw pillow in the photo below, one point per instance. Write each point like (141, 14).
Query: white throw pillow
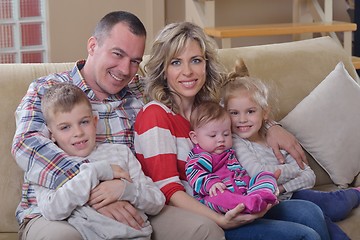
(327, 124)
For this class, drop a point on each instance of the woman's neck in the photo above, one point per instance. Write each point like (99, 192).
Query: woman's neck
(185, 107)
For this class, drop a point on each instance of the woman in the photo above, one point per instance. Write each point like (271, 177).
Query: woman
(183, 70)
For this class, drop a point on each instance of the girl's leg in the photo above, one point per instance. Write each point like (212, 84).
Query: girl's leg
(302, 212)
(272, 230)
(336, 205)
(336, 233)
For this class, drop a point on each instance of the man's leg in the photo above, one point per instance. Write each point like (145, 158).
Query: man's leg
(175, 223)
(41, 229)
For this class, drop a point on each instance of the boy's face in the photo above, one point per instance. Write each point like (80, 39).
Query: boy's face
(74, 131)
(214, 136)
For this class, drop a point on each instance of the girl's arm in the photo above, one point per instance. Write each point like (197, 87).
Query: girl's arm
(256, 158)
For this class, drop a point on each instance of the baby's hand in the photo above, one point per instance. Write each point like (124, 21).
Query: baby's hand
(120, 173)
(217, 186)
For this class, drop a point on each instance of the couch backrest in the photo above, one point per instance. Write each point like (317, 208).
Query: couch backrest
(14, 81)
(295, 67)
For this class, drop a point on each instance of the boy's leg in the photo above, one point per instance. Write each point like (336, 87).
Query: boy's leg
(41, 229)
(175, 223)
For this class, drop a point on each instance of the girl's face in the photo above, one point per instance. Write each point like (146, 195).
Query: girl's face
(186, 73)
(246, 116)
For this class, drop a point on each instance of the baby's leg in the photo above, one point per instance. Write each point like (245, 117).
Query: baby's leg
(227, 200)
(264, 184)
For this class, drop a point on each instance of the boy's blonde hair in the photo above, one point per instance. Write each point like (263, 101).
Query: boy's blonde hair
(205, 112)
(62, 97)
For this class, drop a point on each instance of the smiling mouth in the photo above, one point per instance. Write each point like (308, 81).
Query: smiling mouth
(188, 83)
(79, 143)
(115, 77)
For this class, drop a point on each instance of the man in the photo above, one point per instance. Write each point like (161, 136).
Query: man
(114, 53)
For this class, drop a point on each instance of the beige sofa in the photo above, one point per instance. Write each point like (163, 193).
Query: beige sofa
(297, 68)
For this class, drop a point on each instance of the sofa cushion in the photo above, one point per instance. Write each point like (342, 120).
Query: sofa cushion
(326, 123)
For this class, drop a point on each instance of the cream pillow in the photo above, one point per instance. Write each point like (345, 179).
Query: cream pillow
(327, 124)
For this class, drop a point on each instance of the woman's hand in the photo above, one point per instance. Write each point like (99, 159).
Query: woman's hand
(278, 138)
(235, 218)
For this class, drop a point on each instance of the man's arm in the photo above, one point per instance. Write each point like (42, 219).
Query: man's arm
(58, 204)
(43, 162)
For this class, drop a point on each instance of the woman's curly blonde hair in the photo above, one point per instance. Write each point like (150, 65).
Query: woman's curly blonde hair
(167, 45)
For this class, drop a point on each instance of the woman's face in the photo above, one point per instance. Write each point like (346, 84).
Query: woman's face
(186, 73)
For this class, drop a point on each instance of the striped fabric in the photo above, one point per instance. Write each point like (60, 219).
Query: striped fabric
(203, 170)
(162, 144)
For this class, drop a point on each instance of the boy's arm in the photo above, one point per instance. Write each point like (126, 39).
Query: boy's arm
(142, 193)
(43, 162)
(58, 204)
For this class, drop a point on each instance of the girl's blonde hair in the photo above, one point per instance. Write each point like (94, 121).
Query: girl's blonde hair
(258, 90)
(169, 43)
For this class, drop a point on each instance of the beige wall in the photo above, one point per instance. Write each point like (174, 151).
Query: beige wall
(71, 22)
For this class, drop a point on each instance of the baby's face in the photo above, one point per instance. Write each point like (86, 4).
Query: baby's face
(214, 136)
(74, 131)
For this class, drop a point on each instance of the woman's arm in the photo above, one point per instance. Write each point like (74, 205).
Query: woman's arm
(233, 218)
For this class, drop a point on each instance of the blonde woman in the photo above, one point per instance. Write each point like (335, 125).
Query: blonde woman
(184, 70)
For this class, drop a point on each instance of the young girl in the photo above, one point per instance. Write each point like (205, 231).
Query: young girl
(247, 101)
(214, 173)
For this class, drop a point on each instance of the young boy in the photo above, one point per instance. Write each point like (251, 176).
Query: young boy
(72, 126)
(214, 173)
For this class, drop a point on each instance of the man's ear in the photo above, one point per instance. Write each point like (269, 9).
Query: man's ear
(91, 45)
(193, 138)
(96, 119)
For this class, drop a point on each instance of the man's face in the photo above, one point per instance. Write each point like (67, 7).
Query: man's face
(114, 61)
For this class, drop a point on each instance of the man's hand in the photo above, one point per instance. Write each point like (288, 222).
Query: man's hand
(124, 212)
(278, 138)
(105, 193)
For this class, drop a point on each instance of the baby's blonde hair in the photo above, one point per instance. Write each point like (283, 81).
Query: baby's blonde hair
(205, 112)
